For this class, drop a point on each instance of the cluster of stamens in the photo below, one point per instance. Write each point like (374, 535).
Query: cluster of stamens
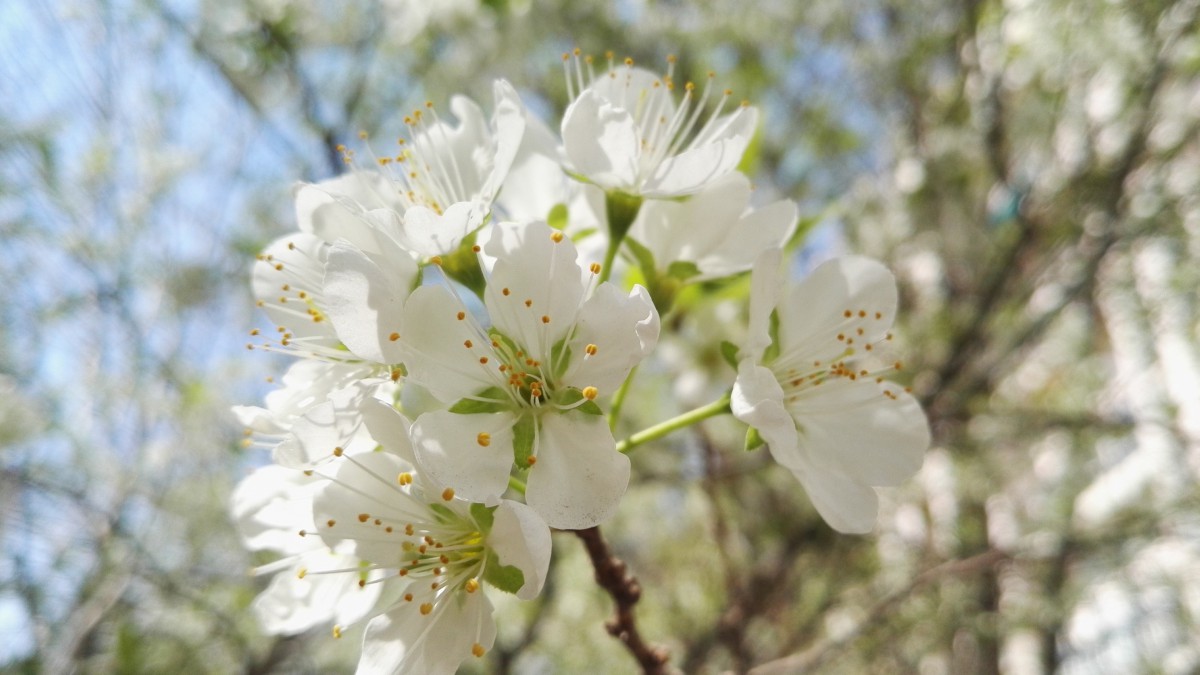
(424, 171)
(664, 133)
(855, 331)
(437, 553)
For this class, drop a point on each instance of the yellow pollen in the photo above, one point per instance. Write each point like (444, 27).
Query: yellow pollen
(388, 529)
(331, 522)
(472, 585)
(461, 315)
(408, 529)
(426, 608)
(364, 517)
(505, 291)
(476, 248)
(483, 360)
(862, 313)
(408, 597)
(362, 583)
(528, 302)
(590, 350)
(556, 237)
(279, 266)
(545, 319)
(847, 314)
(448, 494)
(897, 365)
(484, 439)
(337, 632)
(302, 572)
(405, 478)
(394, 336)
(338, 451)
(478, 650)
(878, 315)
(595, 268)
(590, 393)
(302, 533)
(468, 344)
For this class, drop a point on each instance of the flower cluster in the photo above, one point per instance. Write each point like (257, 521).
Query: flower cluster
(463, 313)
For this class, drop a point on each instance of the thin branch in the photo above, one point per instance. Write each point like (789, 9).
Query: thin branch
(613, 576)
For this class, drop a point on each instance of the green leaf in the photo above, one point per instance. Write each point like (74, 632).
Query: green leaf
(496, 401)
(523, 435)
(507, 578)
(557, 217)
(572, 396)
(683, 270)
(772, 349)
(753, 440)
(729, 352)
(483, 516)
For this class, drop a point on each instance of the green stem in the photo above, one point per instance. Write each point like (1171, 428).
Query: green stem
(610, 257)
(718, 407)
(517, 484)
(614, 411)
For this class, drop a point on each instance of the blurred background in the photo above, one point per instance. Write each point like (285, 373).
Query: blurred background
(1029, 168)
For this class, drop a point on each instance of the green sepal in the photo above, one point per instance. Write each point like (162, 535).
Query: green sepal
(729, 352)
(622, 209)
(754, 441)
(572, 396)
(523, 434)
(498, 402)
(462, 265)
(483, 516)
(557, 217)
(507, 578)
(683, 270)
(444, 513)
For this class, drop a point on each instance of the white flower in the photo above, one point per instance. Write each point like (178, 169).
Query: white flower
(272, 509)
(714, 230)
(839, 427)
(525, 385)
(319, 407)
(435, 191)
(436, 550)
(626, 133)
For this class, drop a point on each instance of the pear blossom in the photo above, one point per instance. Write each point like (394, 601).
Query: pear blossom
(428, 197)
(435, 551)
(272, 509)
(837, 425)
(524, 385)
(714, 233)
(626, 131)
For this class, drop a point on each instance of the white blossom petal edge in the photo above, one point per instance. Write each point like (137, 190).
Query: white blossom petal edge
(839, 427)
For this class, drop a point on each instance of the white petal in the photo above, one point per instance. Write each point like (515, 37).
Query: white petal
(757, 400)
(689, 171)
(814, 312)
(601, 141)
(624, 329)
(404, 641)
(764, 295)
(389, 428)
(521, 538)
(508, 125)
(449, 448)
(437, 338)
(690, 229)
(579, 477)
(845, 504)
(291, 605)
(270, 506)
(288, 266)
(333, 211)
(543, 284)
(431, 233)
(366, 304)
(746, 238)
(851, 428)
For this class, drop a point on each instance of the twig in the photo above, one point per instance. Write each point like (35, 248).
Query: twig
(613, 576)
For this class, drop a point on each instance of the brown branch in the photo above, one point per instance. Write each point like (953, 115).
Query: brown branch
(613, 576)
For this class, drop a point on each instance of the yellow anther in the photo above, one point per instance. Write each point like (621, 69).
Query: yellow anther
(595, 268)
(531, 461)
(448, 494)
(364, 517)
(472, 585)
(590, 393)
(338, 451)
(461, 316)
(478, 650)
(545, 319)
(484, 439)
(426, 608)
(302, 572)
(556, 237)
(394, 336)
(590, 350)
(337, 632)
(330, 523)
